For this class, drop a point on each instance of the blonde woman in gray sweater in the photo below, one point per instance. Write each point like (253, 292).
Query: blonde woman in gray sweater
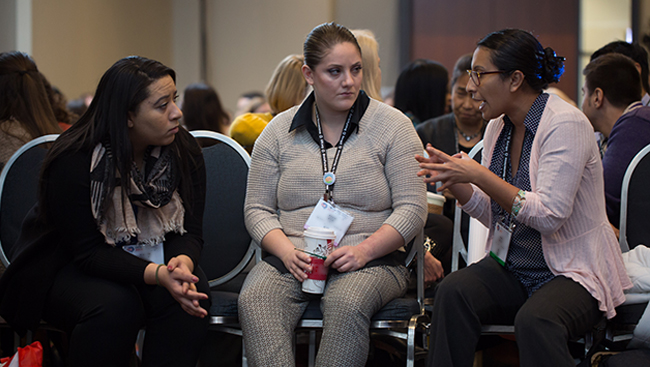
(369, 148)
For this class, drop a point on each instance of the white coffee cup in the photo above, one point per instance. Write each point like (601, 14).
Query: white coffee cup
(318, 241)
(435, 202)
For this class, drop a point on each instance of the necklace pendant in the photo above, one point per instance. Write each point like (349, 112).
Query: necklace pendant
(468, 138)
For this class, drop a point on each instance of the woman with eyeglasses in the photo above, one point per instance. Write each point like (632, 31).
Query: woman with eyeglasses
(554, 266)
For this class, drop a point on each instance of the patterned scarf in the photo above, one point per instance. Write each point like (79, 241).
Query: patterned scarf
(151, 205)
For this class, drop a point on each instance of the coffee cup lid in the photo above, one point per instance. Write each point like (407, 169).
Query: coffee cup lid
(320, 233)
(434, 198)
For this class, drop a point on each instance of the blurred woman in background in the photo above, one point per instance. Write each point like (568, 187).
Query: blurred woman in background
(421, 90)
(25, 110)
(202, 109)
(371, 83)
(287, 88)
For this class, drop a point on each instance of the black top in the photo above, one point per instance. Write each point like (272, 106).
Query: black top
(72, 236)
(440, 133)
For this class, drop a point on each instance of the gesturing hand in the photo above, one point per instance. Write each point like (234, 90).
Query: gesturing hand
(449, 170)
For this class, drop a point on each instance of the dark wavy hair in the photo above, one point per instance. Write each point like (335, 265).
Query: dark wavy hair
(421, 89)
(463, 64)
(23, 96)
(202, 109)
(120, 91)
(617, 76)
(632, 50)
(516, 49)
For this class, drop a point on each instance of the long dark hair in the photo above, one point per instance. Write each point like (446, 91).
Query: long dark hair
(202, 109)
(421, 89)
(23, 96)
(120, 91)
(515, 49)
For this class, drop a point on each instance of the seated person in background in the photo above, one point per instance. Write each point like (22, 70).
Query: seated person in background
(202, 109)
(555, 266)
(421, 90)
(251, 102)
(25, 110)
(287, 88)
(59, 104)
(612, 91)
(124, 177)
(79, 106)
(635, 52)
(373, 169)
(461, 129)
(454, 132)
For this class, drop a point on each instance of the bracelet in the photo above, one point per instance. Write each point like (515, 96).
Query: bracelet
(428, 244)
(158, 268)
(518, 202)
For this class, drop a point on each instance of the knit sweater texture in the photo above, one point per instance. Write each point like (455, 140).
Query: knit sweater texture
(376, 178)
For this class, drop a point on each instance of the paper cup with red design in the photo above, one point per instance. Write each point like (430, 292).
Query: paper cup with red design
(318, 241)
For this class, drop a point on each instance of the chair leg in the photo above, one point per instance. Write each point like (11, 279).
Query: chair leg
(244, 360)
(415, 321)
(312, 348)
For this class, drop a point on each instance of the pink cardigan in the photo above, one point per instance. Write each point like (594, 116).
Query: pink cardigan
(567, 203)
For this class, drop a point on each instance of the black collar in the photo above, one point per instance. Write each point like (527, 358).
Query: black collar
(303, 117)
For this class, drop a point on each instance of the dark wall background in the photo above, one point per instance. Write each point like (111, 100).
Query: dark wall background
(443, 30)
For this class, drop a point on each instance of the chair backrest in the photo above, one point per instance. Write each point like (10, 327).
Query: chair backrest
(19, 190)
(459, 248)
(228, 247)
(635, 202)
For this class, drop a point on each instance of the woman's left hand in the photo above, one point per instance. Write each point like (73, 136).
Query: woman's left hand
(347, 258)
(449, 170)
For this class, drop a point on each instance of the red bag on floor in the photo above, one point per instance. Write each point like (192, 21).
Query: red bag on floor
(30, 356)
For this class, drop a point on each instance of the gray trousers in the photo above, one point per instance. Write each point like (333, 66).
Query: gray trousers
(271, 304)
(486, 293)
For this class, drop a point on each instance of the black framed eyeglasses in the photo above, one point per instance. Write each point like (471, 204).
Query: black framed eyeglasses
(475, 76)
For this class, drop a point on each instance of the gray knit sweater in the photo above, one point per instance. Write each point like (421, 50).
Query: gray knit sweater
(376, 178)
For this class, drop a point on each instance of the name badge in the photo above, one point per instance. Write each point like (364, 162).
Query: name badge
(155, 253)
(500, 243)
(329, 215)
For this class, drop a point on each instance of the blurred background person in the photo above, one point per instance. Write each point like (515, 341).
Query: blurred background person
(59, 105)
(287, 88)
(202, 109)
(78, 106)
(637, 53)
(457, 131)
(25, 110)
(421, 90)
(612, 94)
(253, 102)
(461, 129)
(371, 82)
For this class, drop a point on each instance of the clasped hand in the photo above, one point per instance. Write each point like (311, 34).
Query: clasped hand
(449, 170)
(178, 279)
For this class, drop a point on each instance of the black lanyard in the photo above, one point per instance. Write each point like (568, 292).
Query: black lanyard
(327, 174)
(506, 160)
